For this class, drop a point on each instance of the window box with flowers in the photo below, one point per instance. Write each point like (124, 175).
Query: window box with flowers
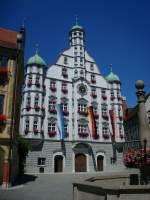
(104, 97)
(35, 130)
(64, 90)
(66, 113)
(136, 158)
(28, 107)
(3, 71)
(52, 133)
(112, 98)
(2, 119)
(105, 116)
(93, 81)
(53, 111)
(53, 88)
(83, 134)
(37, 108)
(84, 113)
(29, 83)
(94, 95)
(106, 136)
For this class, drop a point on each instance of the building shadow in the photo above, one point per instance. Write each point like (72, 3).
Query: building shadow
(23, 179)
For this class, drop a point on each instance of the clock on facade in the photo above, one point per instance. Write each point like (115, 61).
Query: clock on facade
(82, 89)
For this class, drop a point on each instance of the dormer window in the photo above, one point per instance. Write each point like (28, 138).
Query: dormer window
(75, 59)
(92, 66)
(64, 88)
(93, 79)
(93, 93)
(53, 86)
(65, 60)
(64, 72)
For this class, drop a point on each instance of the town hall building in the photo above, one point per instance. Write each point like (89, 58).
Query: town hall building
(71, 114)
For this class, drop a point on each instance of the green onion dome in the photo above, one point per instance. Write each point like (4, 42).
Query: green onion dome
(111, 77)
(36, 59)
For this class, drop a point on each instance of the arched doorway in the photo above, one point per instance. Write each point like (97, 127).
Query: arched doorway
(1, 164)
(80, 163)
(58, 163)
(100, 163)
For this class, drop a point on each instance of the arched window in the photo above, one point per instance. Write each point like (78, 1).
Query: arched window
(58, 163)
(100, 163)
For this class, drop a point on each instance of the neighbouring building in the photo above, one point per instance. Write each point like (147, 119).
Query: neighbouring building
(11, 79)
(84, 137)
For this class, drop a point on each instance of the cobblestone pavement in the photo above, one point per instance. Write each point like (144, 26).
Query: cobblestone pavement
(44, 187)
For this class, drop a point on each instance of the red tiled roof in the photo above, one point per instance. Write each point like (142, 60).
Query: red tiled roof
(8, 38)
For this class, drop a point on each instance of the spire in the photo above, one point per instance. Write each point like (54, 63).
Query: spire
(36, 48)
(110, 66)
(77, 20)
(23, 22)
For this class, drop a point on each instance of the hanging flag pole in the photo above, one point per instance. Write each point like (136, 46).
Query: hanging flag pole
(61, 121)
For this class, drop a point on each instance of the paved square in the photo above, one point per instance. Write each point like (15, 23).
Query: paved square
(44, 187)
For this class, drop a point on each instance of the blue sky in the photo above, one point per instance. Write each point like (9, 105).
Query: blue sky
(117, 32)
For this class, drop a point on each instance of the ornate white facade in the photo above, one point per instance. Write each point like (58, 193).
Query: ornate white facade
(76, 82)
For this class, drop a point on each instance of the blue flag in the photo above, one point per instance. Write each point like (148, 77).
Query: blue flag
(61, 121)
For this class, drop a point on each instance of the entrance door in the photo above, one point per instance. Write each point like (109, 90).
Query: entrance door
(58, 163)
(100, 160)
(80, 163)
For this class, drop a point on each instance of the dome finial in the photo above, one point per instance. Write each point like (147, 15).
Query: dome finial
(36, 48)
(110, 66)
(23, 22)
(77, 19)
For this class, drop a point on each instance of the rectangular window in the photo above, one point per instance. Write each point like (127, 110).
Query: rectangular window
(35, 124)
(27, 124)
(51, 104)
(51, 126)
(82, 128)
(41, 161)
(65, 106)
(66, 128)
(82, 107)
(1, 103)
(36, 102)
